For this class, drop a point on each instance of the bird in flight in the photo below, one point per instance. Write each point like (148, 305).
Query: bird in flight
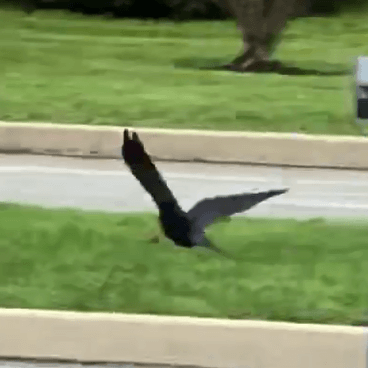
(186, 229)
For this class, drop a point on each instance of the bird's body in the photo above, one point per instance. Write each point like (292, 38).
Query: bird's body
(176, 225)
(186, 229)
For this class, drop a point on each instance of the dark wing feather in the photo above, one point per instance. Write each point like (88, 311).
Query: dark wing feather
(141, 166)
(208, 210)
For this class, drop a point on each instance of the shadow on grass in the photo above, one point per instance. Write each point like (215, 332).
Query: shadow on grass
(321, 69)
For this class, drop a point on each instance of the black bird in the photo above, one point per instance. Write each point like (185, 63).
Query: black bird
(186, 229)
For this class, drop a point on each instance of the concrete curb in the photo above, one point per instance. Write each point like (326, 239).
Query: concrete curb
(189, 145)
(103, 337)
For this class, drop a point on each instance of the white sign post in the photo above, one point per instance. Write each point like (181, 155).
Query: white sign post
(362, 91)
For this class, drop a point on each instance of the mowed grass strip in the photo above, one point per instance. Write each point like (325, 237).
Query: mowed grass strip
(286, 270)
(67, 68)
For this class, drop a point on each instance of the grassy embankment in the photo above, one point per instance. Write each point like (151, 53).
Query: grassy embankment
(285, 270)
(67, 68)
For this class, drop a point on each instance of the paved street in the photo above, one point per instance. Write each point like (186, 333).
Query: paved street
(107, 185)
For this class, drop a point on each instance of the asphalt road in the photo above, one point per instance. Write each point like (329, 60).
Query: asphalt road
(107, 185)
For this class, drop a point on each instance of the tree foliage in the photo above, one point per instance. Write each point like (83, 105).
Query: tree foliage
(175, 9)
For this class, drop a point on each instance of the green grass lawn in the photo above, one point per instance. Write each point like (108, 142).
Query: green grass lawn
(286, 270)
(66, 68)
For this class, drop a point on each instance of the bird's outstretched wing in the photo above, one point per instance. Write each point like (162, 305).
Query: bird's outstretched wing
(141, 166)
(208, 210)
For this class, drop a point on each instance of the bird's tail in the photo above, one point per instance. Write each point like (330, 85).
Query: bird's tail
(207, 244)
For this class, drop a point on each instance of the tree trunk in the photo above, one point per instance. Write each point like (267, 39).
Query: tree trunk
(261, 23)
